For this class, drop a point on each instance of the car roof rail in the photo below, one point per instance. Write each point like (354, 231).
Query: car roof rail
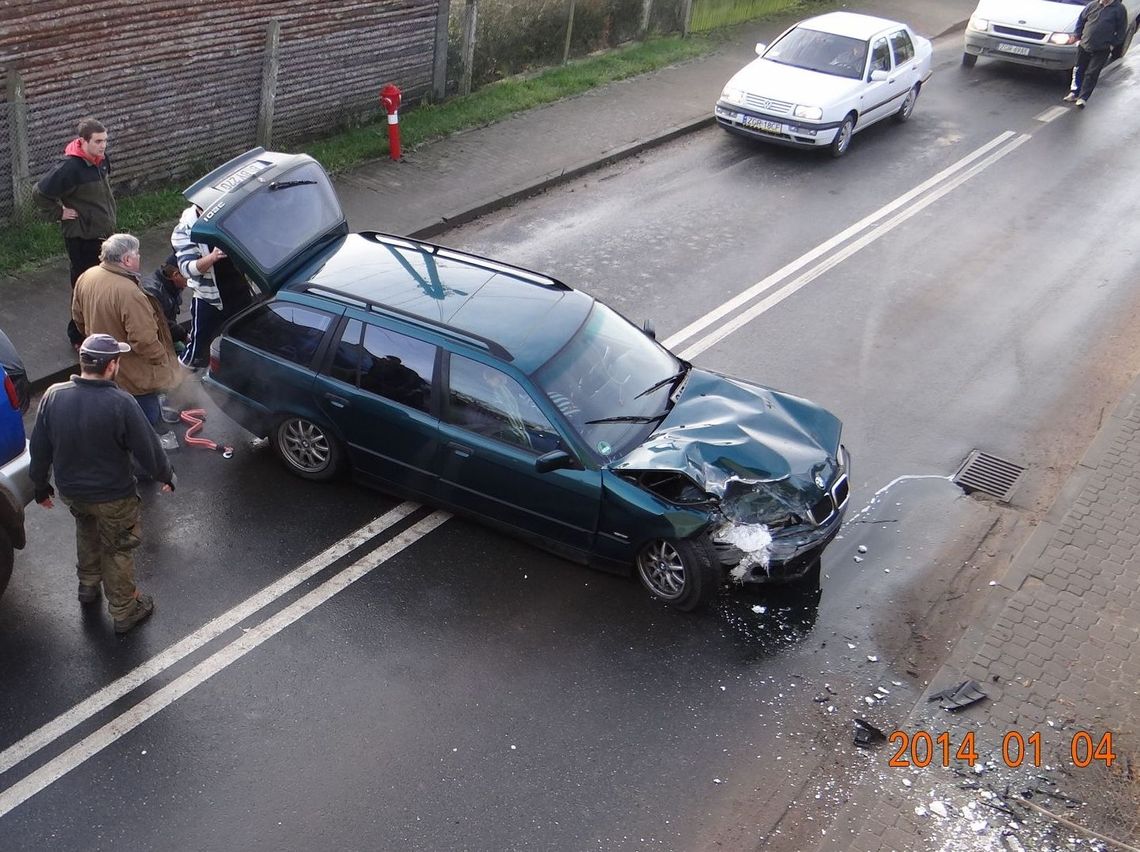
(496, 349)
(466, 257)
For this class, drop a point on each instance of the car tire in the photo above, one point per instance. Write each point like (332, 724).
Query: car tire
(842, 140)
(7, 558)
(307, 449)
(969, 60)
(907, 109)
(684, 574)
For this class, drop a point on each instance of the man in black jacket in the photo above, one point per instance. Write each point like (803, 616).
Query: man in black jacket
(1102, 25)
(166, 285)
(78, 190)
(88, 429)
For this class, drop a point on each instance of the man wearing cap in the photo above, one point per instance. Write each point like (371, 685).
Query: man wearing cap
(109, 300)
(87, 431)
(165, 287)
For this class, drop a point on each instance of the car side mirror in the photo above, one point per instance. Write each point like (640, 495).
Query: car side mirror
(649, 330)
(554, 460)
(760, 47)
(878, 75)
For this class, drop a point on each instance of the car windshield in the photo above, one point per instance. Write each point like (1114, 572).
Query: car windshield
(611, 371)
(818, 51)
(284, 217)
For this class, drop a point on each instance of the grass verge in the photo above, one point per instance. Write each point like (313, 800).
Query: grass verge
(25, 243)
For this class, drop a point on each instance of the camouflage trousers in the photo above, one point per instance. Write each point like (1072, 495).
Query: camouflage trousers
(106, 535)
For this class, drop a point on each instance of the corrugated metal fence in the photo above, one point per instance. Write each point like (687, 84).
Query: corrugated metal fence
(178, 82)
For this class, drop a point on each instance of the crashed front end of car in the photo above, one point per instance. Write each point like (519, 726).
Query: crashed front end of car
(767, 469)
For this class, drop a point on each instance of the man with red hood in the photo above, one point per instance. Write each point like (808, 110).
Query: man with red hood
(78, 190)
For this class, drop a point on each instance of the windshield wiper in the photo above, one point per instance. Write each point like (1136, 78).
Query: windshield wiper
(668, 380)
(631, 418)
(285, 184)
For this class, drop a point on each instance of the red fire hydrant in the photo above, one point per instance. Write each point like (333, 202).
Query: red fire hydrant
(390, 98)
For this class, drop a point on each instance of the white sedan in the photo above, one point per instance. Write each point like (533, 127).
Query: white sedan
(825, 79)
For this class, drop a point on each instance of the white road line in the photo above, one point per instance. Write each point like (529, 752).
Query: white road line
(1052, 113)
(747, 316)
(92, 744)
(115, 690)
(802, 261)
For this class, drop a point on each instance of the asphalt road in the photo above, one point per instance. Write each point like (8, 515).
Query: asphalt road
(465, 691)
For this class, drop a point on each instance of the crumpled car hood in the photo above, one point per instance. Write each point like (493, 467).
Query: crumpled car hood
(723, 431)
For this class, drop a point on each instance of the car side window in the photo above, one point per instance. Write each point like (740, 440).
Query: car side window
(397, 367)
(880, 56)
(292, 332)
(345, 364)
(902, 46)
(487, 401)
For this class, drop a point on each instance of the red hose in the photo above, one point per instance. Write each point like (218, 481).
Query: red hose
(195, 419)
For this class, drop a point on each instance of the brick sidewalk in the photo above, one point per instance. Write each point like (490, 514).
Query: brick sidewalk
(1054, 652)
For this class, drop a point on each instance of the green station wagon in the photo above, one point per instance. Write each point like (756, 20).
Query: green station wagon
(507, 396)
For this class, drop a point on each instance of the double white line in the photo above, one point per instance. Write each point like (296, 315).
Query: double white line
(900, 210)
(90, 745)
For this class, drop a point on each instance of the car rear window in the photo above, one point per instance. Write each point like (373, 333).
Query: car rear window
(288, 331)
(285, 217)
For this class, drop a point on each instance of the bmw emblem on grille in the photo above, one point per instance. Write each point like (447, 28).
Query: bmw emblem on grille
(818, 481)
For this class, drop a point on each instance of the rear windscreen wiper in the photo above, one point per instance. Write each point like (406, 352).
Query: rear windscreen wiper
(285, 184)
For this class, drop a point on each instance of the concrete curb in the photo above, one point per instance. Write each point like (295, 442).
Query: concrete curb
(454, 220)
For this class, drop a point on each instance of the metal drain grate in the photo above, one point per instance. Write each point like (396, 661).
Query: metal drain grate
(989, 474)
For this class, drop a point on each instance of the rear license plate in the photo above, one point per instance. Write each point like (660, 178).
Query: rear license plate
(1015, 49)
(761, 124)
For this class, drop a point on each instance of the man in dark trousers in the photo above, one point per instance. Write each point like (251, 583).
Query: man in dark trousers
(78, 190)
(1102, 25)
(88, 429)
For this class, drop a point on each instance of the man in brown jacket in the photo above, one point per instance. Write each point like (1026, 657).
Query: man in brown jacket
(108, 299)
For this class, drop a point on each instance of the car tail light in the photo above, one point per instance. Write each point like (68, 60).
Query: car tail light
(10, 389)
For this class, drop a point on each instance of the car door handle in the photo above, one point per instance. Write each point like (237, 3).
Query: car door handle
(459, 449)
(337, 401)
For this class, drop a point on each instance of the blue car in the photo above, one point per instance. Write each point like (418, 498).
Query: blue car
(15, 487)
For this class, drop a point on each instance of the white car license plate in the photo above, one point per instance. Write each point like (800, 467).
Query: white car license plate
(761, 124)
(1015, 49)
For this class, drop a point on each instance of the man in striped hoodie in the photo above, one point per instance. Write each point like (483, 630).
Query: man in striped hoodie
(218, 289)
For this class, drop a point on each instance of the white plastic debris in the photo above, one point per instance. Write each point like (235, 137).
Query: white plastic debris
(753, 540)
(850, 646)
(717, 781)
(871, 658)
(868, 699)
(919, 810)
(939, 808)
(759, 609)
(857, 558)
(862, 548)
(906, 782)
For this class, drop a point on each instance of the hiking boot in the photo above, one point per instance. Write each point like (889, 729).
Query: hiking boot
(1069, 98)
(144, 606)
(169, 441)
(88, 594)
